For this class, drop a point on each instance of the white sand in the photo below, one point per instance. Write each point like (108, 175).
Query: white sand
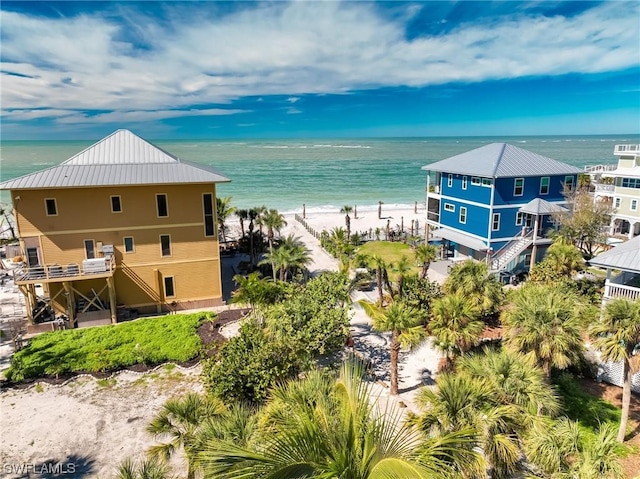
(97, 426)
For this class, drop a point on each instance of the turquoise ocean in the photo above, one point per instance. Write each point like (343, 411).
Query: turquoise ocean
(324, 174)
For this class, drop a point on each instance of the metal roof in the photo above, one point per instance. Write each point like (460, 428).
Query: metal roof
(461, 238)
(501, 160)
(122, 158)
(538, 206)
(625, 256)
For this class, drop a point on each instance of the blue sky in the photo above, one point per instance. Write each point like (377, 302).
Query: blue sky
(80, 70)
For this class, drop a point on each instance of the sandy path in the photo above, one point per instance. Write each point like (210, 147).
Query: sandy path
(87, 426)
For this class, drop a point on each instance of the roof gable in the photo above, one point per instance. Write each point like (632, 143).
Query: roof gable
(121, 148)
(501, 160)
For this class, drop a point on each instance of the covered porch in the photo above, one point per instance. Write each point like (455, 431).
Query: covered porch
(68, 294)
(625, 258)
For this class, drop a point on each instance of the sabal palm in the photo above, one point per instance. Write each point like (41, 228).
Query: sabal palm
(380, 266)
(545, 321)
(243, 215)
(223, 211)
(347, 210)
(291, 254)
(425, 254)
(406, 327)
(564, 259)
(253, 290)
(472, 280)
(455, 323)
(617, 335)
(146, 468)
(274, 222)
(402, 267)
(319, 427)
(180, 421)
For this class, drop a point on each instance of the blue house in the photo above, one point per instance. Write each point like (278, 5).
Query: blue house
(496, 203)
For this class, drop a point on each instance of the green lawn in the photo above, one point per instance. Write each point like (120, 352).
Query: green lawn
(145, 341)
(390, 252)
(581, 406)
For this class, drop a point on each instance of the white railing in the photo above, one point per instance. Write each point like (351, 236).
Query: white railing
(599, 168)
(504, 255)
(622, 291)
(55, 272)
(624, 149)
(601, 187)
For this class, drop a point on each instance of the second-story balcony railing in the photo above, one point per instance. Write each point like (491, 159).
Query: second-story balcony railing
(604, 188)
(599, 168)
(625, 286)
(89, 268)
(627, 150)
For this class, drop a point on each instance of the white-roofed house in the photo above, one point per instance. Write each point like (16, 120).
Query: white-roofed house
(121, 224)
(496, 203)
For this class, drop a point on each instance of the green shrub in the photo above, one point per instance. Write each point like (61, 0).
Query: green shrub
(145, 341)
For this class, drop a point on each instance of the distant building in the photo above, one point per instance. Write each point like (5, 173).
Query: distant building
(121, 225)
(620, 185)
(496, 202)
(625, 260)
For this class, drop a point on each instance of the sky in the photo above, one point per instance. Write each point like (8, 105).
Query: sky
(173, 70)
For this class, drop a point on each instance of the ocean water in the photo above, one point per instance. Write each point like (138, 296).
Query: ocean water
(324, 174)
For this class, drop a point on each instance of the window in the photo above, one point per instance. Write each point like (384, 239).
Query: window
(116, 204)
(207, 204)
(568, 183)
(463, 214)
(486, 182)
(634, 205)
(464, 182)
(544, 185)
(475, 181)
(449, 207)
(163, 207)
(518, 187)
(89, 249)
(519, 218)
(165, 245)
(631, 182)
(617, 202)
(495, 224)
(169, 290)
(450, 180)
(129, 247)
(51, 207)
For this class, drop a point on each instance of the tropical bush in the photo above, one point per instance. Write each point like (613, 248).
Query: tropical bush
(145, 341)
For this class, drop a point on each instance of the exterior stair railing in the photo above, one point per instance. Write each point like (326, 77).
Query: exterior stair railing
(501, 258)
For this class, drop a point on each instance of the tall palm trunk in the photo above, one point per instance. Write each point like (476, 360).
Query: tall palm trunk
(425, 269)
(273, 264)
(242, 227)
(626, 399)
(347, 221)
(379, 280)
(395, 352)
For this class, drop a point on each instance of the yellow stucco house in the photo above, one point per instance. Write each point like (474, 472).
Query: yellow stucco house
(121, 225)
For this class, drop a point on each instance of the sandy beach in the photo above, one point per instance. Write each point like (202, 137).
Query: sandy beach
(96, 424)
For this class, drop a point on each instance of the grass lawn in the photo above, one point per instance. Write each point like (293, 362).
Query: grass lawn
(390, 252)
(145, 341)
(581, 406)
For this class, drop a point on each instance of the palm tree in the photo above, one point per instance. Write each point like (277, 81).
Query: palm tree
(617, 335)
(274, 221)
(223, 212)
(4, 213)
(291, 255)
(564, 259)
(328, 428)
(403, 267)
(472, 280)
(255, 290)
(425, 255)
(545, 321)
(347, 210)
(456, 325)
(380, 266)
(242, 215)
(253, 214)
(180, 420)
(405, 325)
(147, 468)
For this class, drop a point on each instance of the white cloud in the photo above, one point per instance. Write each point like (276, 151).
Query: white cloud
(284, 49)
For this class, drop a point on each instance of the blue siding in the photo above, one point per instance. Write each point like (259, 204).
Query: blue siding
(477, 193)
(477, 218)
(505, 189)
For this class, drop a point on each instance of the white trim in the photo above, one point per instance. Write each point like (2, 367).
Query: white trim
(170, 247)
(617, 202)
(466, 214)
(124, 245)
(519, 218)
(119, 203)
(548, 185)
(93, 248)
(446, 227)
(515, 186)
(459, 200)
(55, 205)
(474, 183)
(213, 215)
(624, 195)
(166, 200)
(452, 209)
(493, 218)
(464, 182)
(631, 208)
(164, 286)
(497, 207)
(450, 180)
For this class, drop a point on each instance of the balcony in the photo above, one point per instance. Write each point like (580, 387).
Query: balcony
(604, 188)
(55, 273)
(595, 169)
(624, 286)
(627, 150)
